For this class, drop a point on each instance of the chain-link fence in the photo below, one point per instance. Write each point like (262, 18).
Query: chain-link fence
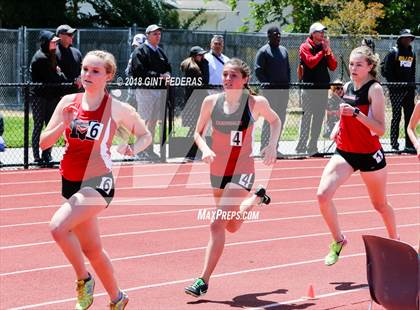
(23, 123)
(18, 107)
(18, 47)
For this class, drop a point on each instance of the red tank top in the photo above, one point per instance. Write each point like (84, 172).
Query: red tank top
(353, 136)
(88, 141)
(232, 139)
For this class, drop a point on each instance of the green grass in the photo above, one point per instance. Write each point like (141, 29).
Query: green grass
(13, 130)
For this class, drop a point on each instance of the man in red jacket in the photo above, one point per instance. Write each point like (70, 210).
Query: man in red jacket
(316, 57)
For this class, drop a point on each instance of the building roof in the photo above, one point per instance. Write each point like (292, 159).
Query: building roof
(195, 5)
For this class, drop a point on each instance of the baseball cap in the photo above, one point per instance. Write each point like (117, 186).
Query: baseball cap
(65, 29)
(273, 29)
(406, 33)
(316, 27)
(197, 50)
(152, 28)
(138, 39)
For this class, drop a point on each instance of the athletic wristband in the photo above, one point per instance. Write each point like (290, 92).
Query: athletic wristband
(356, 112)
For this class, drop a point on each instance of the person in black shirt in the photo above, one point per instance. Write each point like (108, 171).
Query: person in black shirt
(399, 65)
(150, 65)
(44, 69)
(273, 69)
(69, 58)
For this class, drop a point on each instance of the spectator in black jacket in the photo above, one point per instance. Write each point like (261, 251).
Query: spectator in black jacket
(272, 68)
(69, 58)
(196, 68)
(399, 65)
(44, 69)
(150, 65)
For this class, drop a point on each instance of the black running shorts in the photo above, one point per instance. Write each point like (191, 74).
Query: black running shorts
(244, 180)
(364, 162)
(103, 184)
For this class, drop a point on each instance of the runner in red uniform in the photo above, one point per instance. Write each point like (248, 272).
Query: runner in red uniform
(89, 121)
(232, 171)
(362, 121)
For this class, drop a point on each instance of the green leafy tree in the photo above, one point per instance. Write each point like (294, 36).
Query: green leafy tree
(109, 13)
(384, 16)
(400, 14)
(122, 13)
(354, 18)
(14, 14)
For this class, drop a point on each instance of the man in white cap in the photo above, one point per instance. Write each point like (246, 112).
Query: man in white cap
(138, 40)
(399, 65)
(150, 63)
(316, 57)
(69, 58)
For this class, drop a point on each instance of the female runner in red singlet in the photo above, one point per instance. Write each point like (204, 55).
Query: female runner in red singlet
(89, 121)
(362, 121)
(232, 114)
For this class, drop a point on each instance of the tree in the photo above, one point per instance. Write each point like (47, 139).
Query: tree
(352, 17)
(109, 13)
(396, 14)
(122, 13)
(399, 14)
(14, 14)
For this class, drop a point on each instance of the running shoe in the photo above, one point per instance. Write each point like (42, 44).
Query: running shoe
(85, 293)
(261, 192)
(335, 250)
(198, 288)
(120, 304)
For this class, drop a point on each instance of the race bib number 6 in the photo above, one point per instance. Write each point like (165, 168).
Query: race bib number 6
(106, 185)
(94, 130)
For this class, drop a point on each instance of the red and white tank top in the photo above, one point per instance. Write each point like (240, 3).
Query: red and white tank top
(232, 139)
(88, 141)
(353, 136)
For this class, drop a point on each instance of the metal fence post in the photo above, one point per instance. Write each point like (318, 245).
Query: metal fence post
(26, 126)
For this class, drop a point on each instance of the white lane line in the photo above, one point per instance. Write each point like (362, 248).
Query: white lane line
(173, 212)
(204, 247)
(206, 188)
(169, 283)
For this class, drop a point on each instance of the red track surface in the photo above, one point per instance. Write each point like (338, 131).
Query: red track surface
(157, 244)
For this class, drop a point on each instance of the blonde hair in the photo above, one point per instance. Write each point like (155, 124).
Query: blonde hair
(108, 59)
(370, 56)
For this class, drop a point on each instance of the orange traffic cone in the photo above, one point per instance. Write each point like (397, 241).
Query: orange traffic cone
(311, 292)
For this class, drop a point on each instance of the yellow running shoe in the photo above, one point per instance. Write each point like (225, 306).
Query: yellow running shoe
(335, 250)
(85, 293)
(120, 304)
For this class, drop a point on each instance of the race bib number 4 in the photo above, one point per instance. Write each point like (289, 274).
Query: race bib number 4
(246, 180)
(236, 138)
